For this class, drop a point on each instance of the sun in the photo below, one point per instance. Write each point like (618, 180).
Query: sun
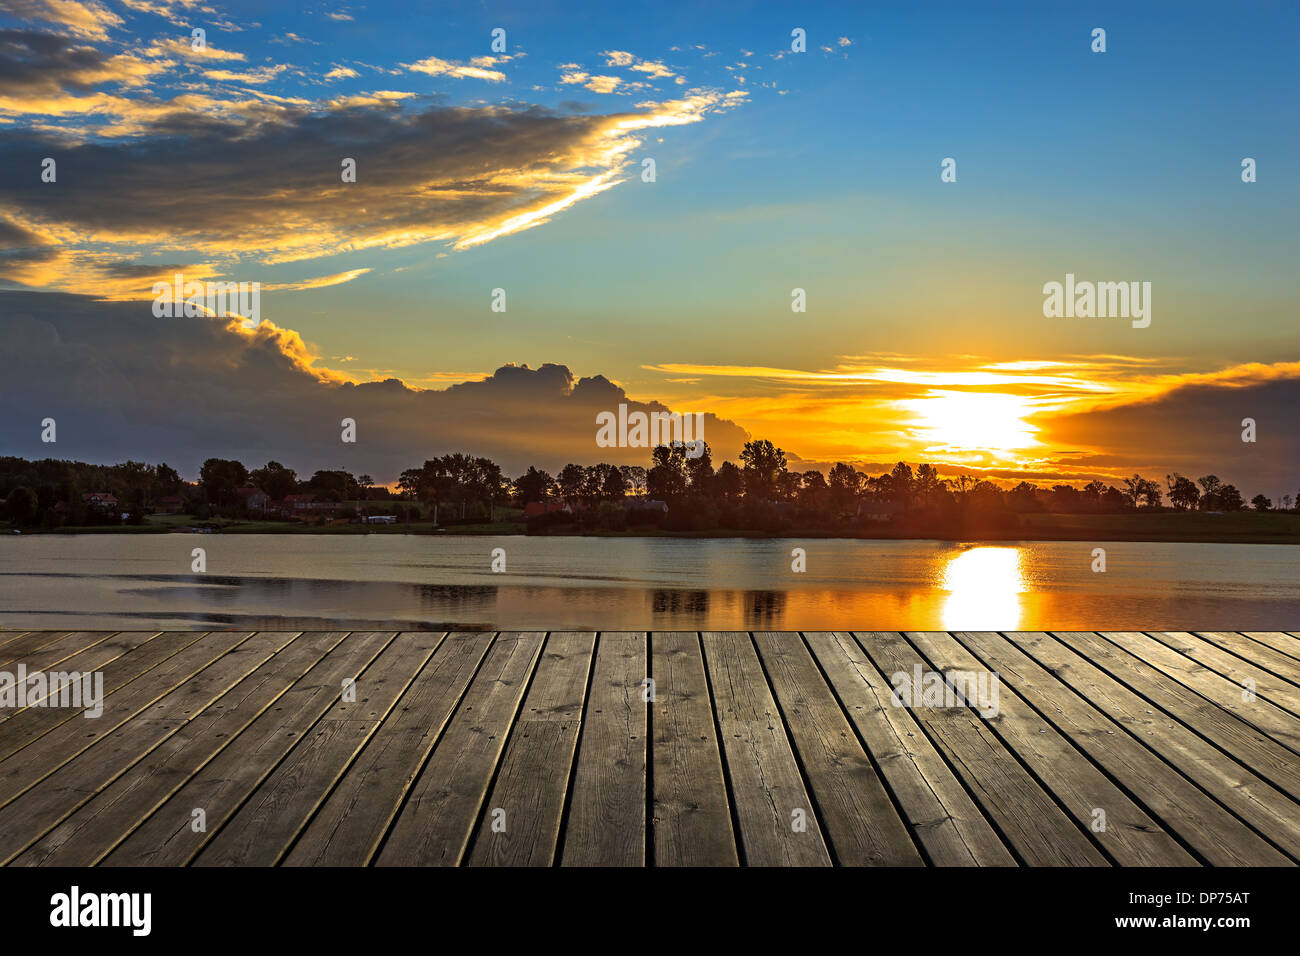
(973, 421)
(984, 588)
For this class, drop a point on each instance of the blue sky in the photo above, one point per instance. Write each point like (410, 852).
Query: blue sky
(775, 170)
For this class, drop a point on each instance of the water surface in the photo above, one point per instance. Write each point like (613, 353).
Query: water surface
(385, 580)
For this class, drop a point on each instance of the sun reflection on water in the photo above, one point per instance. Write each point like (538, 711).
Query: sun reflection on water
(984, 588)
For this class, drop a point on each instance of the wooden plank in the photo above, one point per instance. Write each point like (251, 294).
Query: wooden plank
(29, 643)
(941, 814)
(52, 750)
(776, 817)
(1252, 799)
(1287, 644)
(299, 780)
(91, 658)
(1030, 821)
(350, 825)
(260, 831)
(59, 650)
(121, 659)
(607, 814)
(1283, 665)
(1131, 836)
(1267, 684)
(98, 825)
(1237, 739)
(1182, 808)
(691, 814)
(1254, 710)
(862, 824)
(533, 779)
(30, 816)
(166, 837)
(434, 826)
(8, 637)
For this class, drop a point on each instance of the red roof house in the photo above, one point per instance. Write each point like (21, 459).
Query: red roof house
(535, 508)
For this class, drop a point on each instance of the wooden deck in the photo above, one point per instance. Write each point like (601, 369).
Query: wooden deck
(763, 749)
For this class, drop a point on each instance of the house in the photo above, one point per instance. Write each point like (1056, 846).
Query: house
(169, 505)
(645, 504)
(303, 505)
(253, 499)
(873, 510)
(535, 508)
(100, 500)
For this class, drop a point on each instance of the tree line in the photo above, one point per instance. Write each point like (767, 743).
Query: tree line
(760, 491)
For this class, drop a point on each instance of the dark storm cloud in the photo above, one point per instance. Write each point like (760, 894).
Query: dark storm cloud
(123, 384)
(269, 183)
(1194, 430)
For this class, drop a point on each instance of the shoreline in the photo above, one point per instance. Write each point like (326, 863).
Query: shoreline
(513, 529)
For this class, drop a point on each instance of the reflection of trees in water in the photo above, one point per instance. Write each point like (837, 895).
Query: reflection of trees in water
(665, 601)
(764, 606)
(761, 607)
(455, 596)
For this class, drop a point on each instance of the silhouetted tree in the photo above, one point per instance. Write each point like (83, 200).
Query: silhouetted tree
(1183, 493)
(633, 478)
(533, 485)
(219, 477)
(729, 482)
(764, 464)
(275, 479)
(20, 506)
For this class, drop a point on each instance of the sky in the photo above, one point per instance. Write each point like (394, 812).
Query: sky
(521, 168)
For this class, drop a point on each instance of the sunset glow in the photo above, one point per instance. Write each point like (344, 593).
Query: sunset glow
(660, 231)
(978, 421)
(984, 587)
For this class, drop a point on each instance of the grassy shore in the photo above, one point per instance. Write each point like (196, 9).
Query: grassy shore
(1247, 527)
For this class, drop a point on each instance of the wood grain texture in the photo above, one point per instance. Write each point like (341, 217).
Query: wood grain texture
(435, 824)
(606, 824)
(690, 810)
(663, 749)
(524, 808)
(777, 818)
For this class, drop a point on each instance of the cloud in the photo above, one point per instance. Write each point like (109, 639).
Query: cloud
(37, 65)
(341, 73)
(82, 18)
(437, 67)
(1195, 427)
(597, 84)
(182, 390)
(1076, 417)
(179, 46)
(320, 282)
(603, 84)
(268, 185)
(654, 68)
(261, 74)
(57, 79)
(169, 10)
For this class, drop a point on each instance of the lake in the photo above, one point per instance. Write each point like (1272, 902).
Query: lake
(384, 581)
